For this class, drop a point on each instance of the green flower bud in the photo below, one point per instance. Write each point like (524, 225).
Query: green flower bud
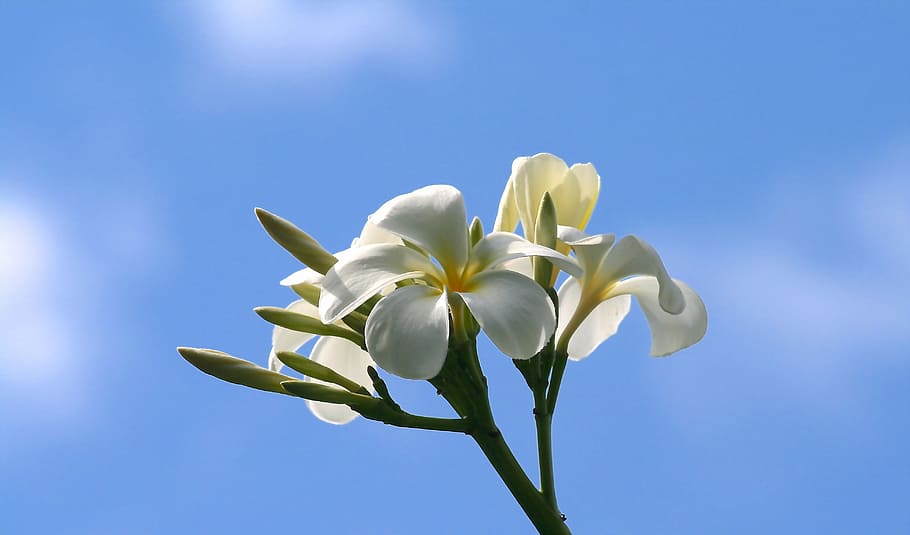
(545, 234)
(313, 369)
(297, 242)
(234, 370)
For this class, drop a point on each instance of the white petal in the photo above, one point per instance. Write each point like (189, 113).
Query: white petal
(288, 340)
(498, 247)
(433, 218)
(521, 265)
(513, 310)
(534, 177)
(507, 216)
(588, 191)
(350, 361)
(633, 256)
(305, 275)
(363, 272)
(597, 327)
(371, 235)
(408, 332)
(569, 234)
(669, 332)
(589, 250)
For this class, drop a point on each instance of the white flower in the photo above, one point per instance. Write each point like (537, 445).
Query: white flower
(339, 354)
(591, 307)
(574, 191)
(407, 331)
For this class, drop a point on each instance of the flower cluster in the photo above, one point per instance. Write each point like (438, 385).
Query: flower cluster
(417, 287)
(419, 275)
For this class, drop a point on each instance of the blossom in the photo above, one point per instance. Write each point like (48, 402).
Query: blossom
(574, 191)
(339, 354)
(407, 332)
(591, 307)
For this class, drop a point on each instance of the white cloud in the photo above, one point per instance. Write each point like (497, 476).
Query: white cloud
(821, 273)
(806, 300)
(59, 274)
(287, 39)
(38, 282)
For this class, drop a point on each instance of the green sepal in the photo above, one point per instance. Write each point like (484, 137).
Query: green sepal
(308, 292)
(234, 370)
(297, 242)
(306, 324)
(476, 232)
(313, 369)
(545, 234)
(329, 394)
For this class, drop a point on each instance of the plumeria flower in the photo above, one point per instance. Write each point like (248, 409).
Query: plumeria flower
(574, 191)
(339, 354)
(591, 307)
(407, 332)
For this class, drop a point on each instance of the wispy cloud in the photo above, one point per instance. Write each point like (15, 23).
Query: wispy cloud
(59, 273)
(806, 300)
(40, 304)
(821, 271)
(269, 40)
(829, 276)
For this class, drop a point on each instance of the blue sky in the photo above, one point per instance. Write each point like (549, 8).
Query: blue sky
(763, 148)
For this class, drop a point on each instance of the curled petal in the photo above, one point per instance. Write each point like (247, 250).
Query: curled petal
(633, 256)
(371, 235)
(597, 327)
(303, 276)
(669, 332)
(350, 361)
(513, 310)
(363, 272)
(507, 216)
(499, 247)
(589, 250)
(408, 332)
(569, 234)
(287, 340)
(432, 217)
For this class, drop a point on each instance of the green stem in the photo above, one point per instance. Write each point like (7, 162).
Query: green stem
(543, 420)
(544, 518)
(559, 368)
(542, 513)
(391, 416)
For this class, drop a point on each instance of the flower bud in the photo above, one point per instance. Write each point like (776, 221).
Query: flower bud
(545, 234)
(476, 231)
(297, 242)
(311, 368)
(234, 370)
(305, 324)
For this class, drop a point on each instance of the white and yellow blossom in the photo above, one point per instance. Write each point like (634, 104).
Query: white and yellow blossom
(407, 331)
(591, 307)
(574, 191)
